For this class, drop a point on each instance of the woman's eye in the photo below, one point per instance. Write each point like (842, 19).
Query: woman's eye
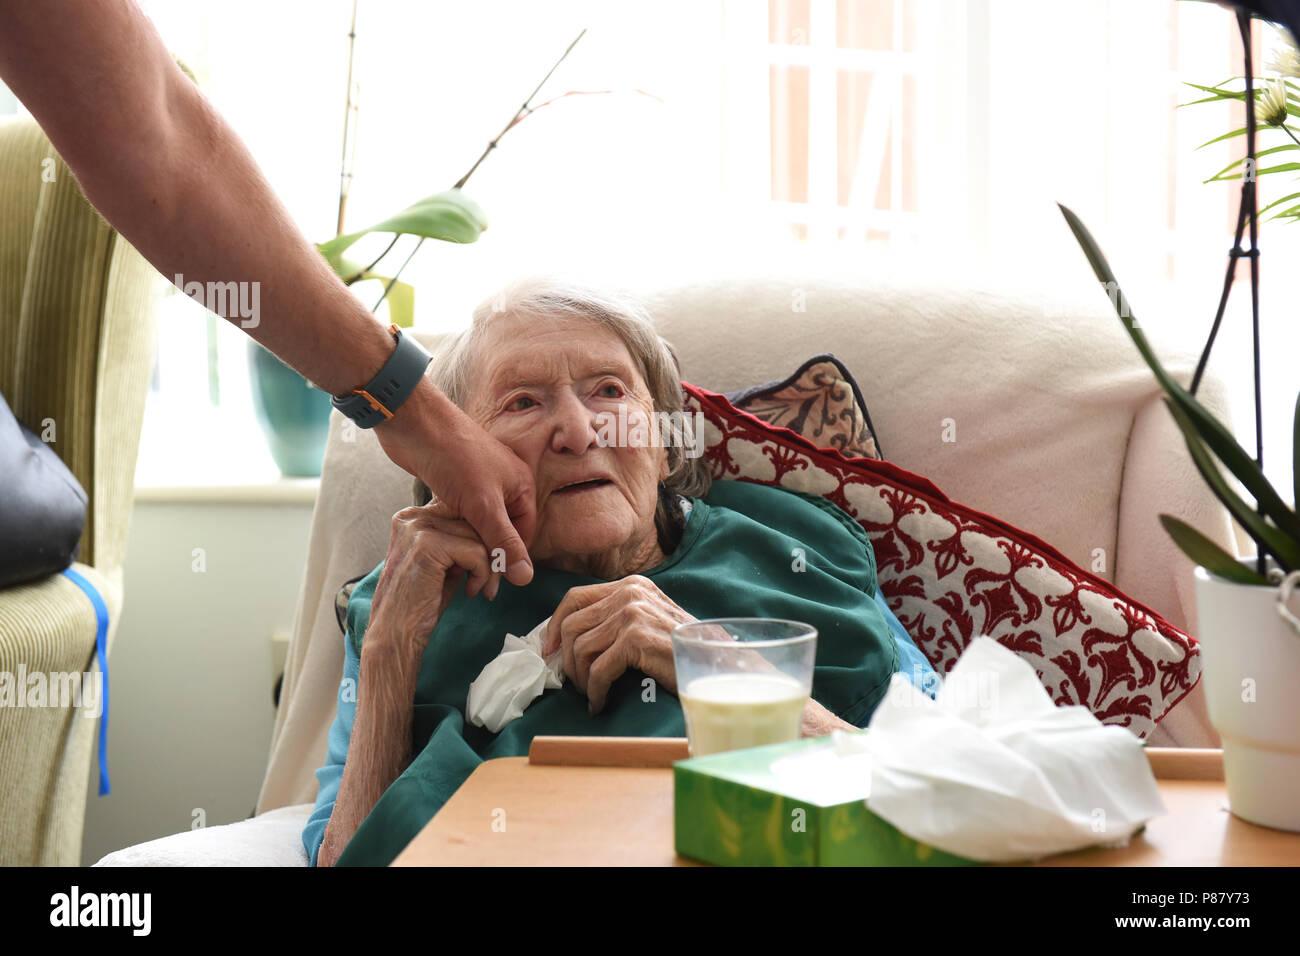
(515, 405)
(611, 390)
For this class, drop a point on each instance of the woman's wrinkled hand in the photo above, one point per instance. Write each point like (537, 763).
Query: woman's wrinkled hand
(431, 550)
(606, 628)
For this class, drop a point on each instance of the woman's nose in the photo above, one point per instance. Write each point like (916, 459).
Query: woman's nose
(573, 428)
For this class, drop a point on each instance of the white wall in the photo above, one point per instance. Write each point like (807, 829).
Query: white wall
(190, 677)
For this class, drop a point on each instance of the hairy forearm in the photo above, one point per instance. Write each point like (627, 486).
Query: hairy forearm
(162, 166)
(380, 746)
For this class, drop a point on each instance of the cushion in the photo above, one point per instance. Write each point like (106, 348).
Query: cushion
(951, 574)
(272, 839)
(44, 508)
(820, 401)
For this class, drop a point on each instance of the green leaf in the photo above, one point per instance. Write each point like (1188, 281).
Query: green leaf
(1285, 549)
(1217, 93)
(1208, 554)
(1258, 154)
(401, 298)
(1215, 435)
(347, 269)
(1239, 132)
(1208, 99)
(449, 215)
(1217, 139)
(1276, 202)
(401, 304)
(1284, 168)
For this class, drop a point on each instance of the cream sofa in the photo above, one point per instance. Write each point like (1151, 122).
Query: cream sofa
(1060, 430)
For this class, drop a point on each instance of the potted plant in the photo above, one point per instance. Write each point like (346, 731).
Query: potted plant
(1249, 622)
(1248, 609)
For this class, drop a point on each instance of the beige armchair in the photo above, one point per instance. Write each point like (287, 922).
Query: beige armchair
(77, 332)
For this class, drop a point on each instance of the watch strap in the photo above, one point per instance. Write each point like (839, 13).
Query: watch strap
(378, 400)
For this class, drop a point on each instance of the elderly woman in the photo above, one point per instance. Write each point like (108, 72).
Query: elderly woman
(630, 541)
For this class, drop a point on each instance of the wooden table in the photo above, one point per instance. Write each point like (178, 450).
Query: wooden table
(598, 801)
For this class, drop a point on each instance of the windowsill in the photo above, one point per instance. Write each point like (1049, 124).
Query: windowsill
(209, 455)
(279, 490)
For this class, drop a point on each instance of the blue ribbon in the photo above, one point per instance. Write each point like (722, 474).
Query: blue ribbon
(101, 652)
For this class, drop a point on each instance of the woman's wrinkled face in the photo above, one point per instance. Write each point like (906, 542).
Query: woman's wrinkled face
(543, 387)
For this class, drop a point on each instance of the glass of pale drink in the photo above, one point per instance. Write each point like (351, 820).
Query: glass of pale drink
(743, 681)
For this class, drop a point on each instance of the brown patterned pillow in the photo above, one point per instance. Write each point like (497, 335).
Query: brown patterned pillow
(821, 402)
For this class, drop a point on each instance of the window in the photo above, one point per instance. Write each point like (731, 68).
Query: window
(931, 136)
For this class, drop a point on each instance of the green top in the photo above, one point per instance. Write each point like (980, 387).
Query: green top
(748, 551)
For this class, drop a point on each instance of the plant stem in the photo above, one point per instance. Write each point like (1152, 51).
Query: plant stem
(357, 278)
(345, 174)
(1243, 23)
(1245, 211)
(393, 281)
(519, 114)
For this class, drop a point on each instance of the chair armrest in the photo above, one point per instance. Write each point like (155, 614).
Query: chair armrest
(270, 839)
(48, 627)
(1160, 478)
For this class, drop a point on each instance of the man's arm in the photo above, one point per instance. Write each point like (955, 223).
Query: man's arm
(154, 157)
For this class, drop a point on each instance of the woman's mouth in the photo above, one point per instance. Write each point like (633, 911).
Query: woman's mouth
(578, 487)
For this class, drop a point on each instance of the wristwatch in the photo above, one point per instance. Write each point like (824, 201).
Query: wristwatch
(379, 399)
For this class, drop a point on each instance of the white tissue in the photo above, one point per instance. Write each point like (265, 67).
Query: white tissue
(513, 679)
(992, 770)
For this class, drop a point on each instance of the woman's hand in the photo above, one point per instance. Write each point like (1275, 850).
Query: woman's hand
(606, 628)
(430, 552)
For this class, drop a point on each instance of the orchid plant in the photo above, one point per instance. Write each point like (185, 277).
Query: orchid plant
(1271, 523)
(450, 215)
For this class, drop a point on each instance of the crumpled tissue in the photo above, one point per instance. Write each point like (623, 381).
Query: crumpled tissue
(513, 679)
(991, 769)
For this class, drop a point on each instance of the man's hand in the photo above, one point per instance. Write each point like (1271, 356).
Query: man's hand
(476, 476)
(606, 628)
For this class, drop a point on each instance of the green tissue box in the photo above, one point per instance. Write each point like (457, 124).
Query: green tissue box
(731, 809)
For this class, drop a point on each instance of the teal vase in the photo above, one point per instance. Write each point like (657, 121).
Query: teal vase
(294, 416)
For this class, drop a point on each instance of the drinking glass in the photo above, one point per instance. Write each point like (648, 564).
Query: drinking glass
(743, 681)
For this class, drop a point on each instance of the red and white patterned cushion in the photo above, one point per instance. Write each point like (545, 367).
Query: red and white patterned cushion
(951, 574)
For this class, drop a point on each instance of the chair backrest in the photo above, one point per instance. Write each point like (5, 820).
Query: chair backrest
(1017, 405)
(77, 331)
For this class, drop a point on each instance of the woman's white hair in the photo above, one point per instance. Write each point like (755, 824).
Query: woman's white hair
(551, 297)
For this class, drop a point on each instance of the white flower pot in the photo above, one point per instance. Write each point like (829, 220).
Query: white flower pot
(1251, 659)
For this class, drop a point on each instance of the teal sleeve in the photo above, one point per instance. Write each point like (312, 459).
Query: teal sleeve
(912, 664)
(331, 774)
